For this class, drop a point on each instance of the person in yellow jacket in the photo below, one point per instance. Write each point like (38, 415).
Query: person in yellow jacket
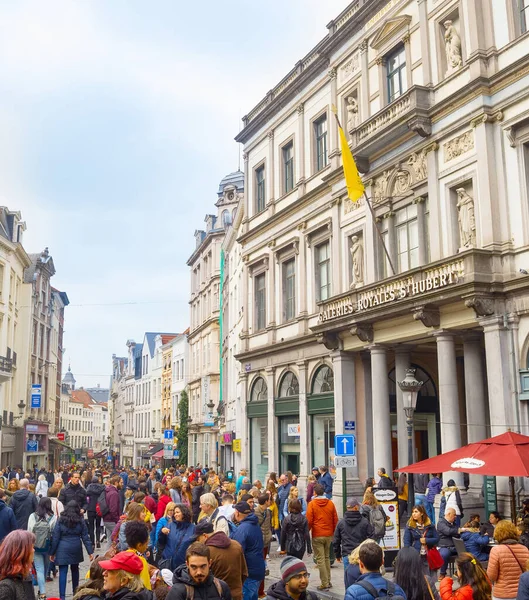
(274, 509)
(137, 535)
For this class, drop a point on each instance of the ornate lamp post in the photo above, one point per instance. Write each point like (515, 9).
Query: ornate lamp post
(410, 390)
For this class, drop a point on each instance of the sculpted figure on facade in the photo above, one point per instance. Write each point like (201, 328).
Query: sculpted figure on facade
(380, 187)
(357, 261)
(417, 162)
(467, 221)
(459, 145)
(352, 113)
(402, 183)
(454, 59)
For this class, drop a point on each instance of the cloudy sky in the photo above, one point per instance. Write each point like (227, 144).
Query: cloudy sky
(117, 120)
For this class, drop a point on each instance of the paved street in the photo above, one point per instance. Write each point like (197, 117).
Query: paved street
(52, 588)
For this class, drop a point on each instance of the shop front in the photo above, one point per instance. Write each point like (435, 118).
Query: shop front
(35, 451)
(320, 403)
(258, 416)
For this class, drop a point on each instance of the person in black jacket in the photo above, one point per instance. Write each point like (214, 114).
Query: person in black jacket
(8, 523)
(74, 491)
(447, 530)
(93, 491)
(351, 531)
(294, 582)
(23, 503)
(295, 532)
(196, 573)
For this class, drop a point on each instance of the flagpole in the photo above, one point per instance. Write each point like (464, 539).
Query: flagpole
(335, 112)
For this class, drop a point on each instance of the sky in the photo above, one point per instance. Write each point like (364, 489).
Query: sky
(117, 120)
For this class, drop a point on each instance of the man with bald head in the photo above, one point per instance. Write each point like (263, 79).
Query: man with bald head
(24, 503)
(447, 530)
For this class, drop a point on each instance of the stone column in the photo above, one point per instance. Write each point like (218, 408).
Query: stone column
(365, 110)
(334, 146)
(381, 418)
(273, 437)
(336, 249)
(425, 43)
(366, 369)
(448, 398)
(423, 232)
(242, 427)
(271, 296)
(475, 396)
(402, 362)
(304, 438)
(301, 149)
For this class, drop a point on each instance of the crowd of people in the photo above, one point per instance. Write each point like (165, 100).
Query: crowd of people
(190, 531)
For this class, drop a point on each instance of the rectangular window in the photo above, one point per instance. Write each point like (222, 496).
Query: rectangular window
(288, 167)
(396, 74)
(524, 15)
(323, 272)
(260, 196)
(260, 302)
(407, 238)
(289, 289)
(320, 139)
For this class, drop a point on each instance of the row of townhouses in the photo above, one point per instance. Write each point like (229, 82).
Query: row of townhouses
(301, 324)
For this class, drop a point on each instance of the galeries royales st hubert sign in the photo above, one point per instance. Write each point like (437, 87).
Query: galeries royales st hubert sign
(409, 287)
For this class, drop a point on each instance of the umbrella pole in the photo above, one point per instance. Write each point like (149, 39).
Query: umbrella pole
(513, 500)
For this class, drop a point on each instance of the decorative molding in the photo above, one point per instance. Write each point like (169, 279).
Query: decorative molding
(272, 244)
(349, 206)
(302, 226)
(330, 340)
(364, 332)
(406, 38)
(301, 109)
(421, 125)
(332, 73)
(388, 29)
(363, 46)
(458, 146)
(496, 117)
(245, 156)
(271, 135)
(483, 306)
(429, 316)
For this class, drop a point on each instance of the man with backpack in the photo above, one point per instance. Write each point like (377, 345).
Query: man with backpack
(351, 531)
(371, 584)
(195, 579)
(93, 492)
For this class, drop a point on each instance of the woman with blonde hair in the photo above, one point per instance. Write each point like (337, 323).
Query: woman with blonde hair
(507, 561)
(135, 512)
(187, 494)
(167, 517)
(12, 487)
(294, 495)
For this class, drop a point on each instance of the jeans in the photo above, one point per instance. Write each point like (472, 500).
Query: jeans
(109, 528)
(63, 579)
(322, 548)
(419, 499)
(446, 553)
(249, 589)
(41, 560)
(430, 511)
(345, 560)
(94, 524)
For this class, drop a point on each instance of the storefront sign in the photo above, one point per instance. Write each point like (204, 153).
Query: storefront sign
(236, 446)
(491, 500)
(409, 287)
(294, 429)
(32, 446)
(36, 395)
(61, 436)
(227, 438)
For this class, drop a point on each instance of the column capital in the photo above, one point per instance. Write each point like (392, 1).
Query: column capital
(302, 364)
(269, 370)
(444, 333)
(377, 349)
(492, 322)
(342, 356)
(403, 349)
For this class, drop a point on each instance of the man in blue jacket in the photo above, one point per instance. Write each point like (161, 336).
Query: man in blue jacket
(326, 481)
(8, 523)
(371, 581)
(249, 536)
(282, 494)
(434, 487)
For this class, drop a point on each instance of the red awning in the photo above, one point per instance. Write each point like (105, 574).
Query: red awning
(159, 454)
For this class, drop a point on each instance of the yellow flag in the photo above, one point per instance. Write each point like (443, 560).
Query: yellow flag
(355, 187)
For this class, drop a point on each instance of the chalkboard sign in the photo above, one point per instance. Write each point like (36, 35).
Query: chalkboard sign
(491, 501)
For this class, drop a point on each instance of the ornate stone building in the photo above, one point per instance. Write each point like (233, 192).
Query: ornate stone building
(434, 97)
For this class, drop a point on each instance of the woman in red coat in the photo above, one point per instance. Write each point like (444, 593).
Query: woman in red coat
(473, 581)
(164, 497)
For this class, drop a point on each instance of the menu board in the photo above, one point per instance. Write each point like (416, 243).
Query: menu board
(388, 499)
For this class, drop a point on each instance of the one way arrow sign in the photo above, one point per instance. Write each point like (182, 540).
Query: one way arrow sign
(344, 445)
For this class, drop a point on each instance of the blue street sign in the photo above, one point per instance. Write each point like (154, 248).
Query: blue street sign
(344, 445)
(349, 425)
(176, 453)
(32, 446)
(168, 435)
(36, 395)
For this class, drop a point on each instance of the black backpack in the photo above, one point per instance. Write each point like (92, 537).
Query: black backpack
(296, 542)
(390, 592)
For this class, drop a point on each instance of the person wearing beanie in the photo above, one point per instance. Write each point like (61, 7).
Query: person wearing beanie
(249, 536)
(294, 582)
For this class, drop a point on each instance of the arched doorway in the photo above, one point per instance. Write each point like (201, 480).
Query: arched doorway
(287, 413)
(426, 419)
(257, 410)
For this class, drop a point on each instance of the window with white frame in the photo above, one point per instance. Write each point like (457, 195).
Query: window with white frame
(260, 301)
(396, 73)
(322, 255)
(320, 142)
(289, 289)
(407, 238)
(524, 15)
(260, 189)
(288, 167)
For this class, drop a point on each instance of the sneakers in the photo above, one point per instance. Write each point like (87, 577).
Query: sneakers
(104, 538)
(98, 545)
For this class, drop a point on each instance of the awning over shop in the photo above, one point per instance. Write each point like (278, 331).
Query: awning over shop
(152, 450)
(101, 454)
(63, 444)
(159, 454)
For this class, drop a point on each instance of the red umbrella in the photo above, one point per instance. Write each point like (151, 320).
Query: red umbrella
(505, 455)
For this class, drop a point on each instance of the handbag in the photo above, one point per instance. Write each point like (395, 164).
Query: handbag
(434, 558)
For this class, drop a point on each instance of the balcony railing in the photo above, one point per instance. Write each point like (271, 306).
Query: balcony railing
(6, 368)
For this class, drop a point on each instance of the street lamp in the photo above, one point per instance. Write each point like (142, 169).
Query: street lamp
(410, 387)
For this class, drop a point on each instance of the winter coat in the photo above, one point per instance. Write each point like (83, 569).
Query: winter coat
(523, 587)
(310, 491)
(277, 591)
(352, 574)
(24, 503)
(196, 493)
(264, 520)
(413, 535)
(205, 591)
(385, 482)
(126, 594)
(163, 501)
(93, 491)
(506, 564)
(175, 544)
(356, 592)
(435, 485)
(322, 517)
(474, 543)
(73, 492)
(228, 562)
(248, 534)
(420, 483)
(462, 593)
(303, 506)
(41, 489)
(15, 588)
(67, 543)
(8, 522)
(350, 532)
(453, 500)
(282, 495)
(326, 481)
(295, 522)
(113, 504)
(159, 526)
(447, 531)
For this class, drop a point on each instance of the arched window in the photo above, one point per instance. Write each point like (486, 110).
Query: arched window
(289, 385)
(226, 218)
(323, 381)
(259, 391)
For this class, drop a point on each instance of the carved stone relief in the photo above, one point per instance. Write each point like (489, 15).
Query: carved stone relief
(466, 218)
(349, 206)
(330, 340)
(352, 112)
(364, 331)
(417, 162)
(351, 66)
(458, 146)
(357, 261)
(481, 305)
(454, 59)
(428, 315)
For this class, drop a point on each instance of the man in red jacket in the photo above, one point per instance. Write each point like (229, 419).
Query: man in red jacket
(322, 518)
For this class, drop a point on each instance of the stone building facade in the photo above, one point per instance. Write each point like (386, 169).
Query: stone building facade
(434, 98)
